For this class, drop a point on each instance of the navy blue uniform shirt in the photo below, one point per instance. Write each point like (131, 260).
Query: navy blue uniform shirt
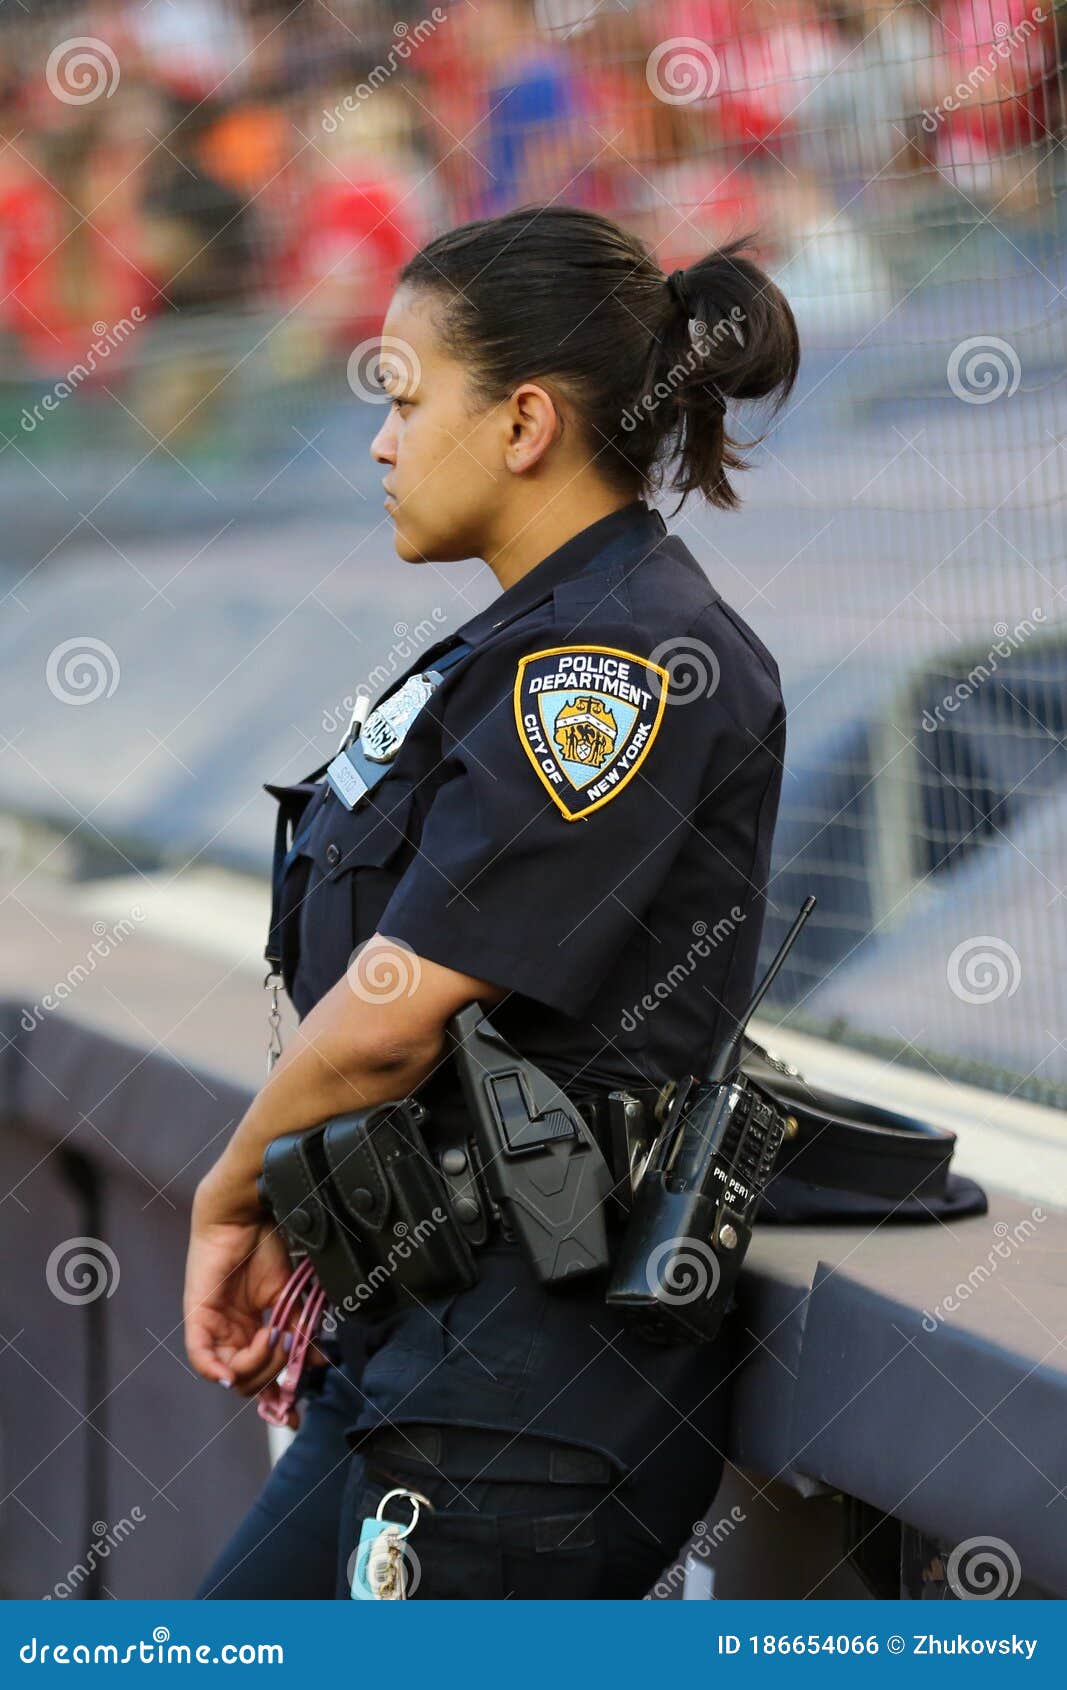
(581, 812)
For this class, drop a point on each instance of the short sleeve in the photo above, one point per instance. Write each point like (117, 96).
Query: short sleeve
(572, 782)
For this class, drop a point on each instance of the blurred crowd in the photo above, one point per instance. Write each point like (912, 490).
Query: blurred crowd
(218, 155)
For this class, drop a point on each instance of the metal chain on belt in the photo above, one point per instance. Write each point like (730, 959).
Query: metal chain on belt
(273, 984)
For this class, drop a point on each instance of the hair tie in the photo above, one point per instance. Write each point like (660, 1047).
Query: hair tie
(676, 283)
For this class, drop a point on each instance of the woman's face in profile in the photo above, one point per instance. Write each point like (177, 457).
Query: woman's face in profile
(443, 456)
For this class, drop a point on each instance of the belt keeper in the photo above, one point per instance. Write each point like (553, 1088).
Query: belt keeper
(460, 1174)
(632, 1130)
(571, 1466)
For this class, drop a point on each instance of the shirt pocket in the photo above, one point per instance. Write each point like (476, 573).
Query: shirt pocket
(349, 862)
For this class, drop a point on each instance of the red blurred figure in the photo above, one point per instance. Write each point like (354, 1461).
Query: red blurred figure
(359, 218)
(997, 57)
(71, 261)
(767, 57)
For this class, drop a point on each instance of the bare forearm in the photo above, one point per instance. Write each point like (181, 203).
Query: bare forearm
(326, 1070)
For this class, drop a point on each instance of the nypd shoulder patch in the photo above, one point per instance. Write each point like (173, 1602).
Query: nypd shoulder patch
(587, 716)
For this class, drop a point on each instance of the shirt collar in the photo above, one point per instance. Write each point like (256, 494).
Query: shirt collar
(575, 555)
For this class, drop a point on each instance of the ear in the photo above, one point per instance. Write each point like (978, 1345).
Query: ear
(535, 422)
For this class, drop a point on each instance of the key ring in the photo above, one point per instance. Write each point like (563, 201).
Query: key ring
(415, 1498)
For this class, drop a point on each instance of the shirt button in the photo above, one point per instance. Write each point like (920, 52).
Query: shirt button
(333, 854)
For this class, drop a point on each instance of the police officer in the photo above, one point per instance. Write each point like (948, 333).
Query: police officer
(563, 812)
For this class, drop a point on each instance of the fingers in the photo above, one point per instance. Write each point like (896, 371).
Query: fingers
(246, 1367)
(258, 1362)
(251, 1378)
(206, 1349)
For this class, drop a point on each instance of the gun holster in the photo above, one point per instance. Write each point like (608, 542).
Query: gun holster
(543, 1166)
(363, 1198)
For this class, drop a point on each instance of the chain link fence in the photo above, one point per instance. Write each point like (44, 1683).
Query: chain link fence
(203, 207)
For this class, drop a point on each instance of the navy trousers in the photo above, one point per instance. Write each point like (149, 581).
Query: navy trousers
(561, 1455)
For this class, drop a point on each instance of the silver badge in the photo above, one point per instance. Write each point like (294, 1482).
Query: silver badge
(384, 730)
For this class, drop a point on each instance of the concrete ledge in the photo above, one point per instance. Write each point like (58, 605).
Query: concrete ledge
(122, 1471)
(922, 1369)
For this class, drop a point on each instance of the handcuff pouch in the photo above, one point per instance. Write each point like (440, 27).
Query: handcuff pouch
(395, 1203)
(362, 1198)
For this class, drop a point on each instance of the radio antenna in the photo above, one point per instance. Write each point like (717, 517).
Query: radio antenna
(729, 1055)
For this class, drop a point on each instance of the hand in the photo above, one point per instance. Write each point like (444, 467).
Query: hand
(235, 1271)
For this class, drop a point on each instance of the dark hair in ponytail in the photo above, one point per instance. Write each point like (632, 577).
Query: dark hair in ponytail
(567, 297)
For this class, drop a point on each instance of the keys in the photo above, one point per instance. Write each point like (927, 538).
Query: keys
(382, 1567)
(375, 1576)
(386, 1573)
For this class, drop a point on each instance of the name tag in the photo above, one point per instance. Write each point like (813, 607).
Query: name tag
(346, 781)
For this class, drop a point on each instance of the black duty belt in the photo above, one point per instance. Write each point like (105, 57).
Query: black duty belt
(834, 1141)
(357, 1201)
(847, 1145)
(384, 1210)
